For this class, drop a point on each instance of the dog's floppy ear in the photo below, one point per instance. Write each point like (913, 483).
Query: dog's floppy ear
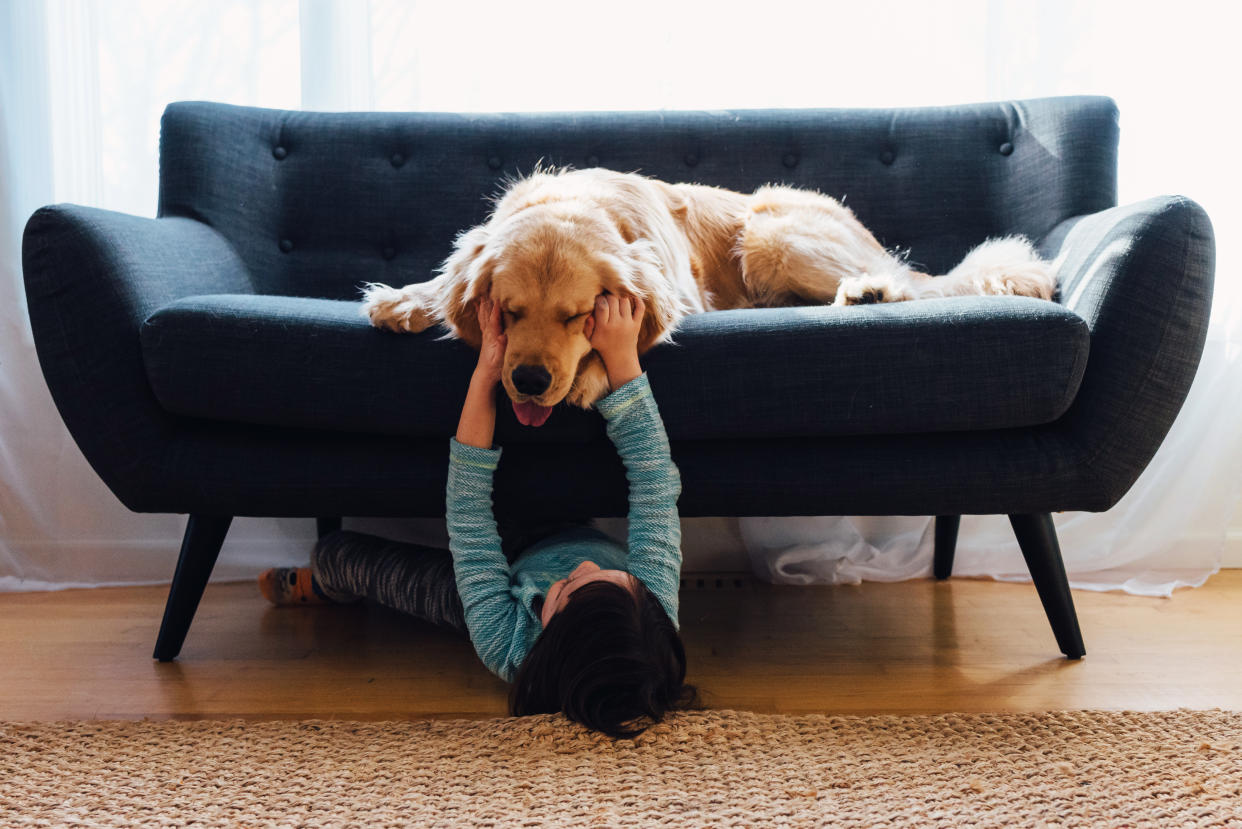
(469, 274)
(642, 275)
(660, 317)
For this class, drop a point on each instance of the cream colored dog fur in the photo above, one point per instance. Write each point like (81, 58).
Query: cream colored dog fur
(559, 238)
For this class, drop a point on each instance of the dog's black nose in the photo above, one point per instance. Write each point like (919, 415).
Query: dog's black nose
(531, 379)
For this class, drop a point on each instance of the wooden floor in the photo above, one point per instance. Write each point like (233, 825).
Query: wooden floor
(912, 647)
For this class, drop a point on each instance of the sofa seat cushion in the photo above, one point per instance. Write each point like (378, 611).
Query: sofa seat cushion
(938, 365)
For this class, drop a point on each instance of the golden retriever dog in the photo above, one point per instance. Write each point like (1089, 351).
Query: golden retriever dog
(559, 238)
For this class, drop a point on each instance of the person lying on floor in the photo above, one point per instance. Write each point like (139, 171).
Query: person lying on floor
(576, 622)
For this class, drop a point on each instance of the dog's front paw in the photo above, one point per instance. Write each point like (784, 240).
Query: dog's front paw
(868, 290)
(396, 309)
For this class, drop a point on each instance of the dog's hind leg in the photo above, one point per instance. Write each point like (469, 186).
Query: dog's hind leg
(998, 267)
(798, 248)
(884, 287)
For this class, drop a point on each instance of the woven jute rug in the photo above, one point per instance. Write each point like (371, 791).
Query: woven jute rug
(719, 768)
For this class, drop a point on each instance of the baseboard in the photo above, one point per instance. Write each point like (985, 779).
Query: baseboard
(1232, 556)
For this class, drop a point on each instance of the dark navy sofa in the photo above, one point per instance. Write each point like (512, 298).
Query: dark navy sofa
(214, 361)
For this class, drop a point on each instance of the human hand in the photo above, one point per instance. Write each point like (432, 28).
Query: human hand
(613, 330)
(492, 350)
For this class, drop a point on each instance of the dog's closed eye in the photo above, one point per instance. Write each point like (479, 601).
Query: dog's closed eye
(568, 320)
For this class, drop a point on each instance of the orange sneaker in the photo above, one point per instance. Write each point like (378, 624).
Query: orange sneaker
(290, 585)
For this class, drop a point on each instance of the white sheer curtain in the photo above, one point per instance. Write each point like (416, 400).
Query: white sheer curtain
(1168, 70)
(82, 86)
(83, 82)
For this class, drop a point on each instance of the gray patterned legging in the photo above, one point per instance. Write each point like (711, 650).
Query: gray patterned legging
(411, 578)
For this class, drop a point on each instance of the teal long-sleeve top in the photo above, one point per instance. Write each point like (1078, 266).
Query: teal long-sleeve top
(499, 598)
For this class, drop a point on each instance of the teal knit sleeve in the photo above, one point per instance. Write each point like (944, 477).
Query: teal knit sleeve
(635, 427)
(496, 626)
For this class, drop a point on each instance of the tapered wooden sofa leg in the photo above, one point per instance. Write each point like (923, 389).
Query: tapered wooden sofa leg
(1037, 536)
(327, 525)
(204, 535)
(946, 544)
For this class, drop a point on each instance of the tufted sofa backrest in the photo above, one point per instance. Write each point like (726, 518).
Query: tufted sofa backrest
(318, 203)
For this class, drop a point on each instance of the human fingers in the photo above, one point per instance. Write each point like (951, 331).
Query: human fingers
(601, 309)
(484, 309)
(640, 308)
(494, 316)
(588, 327)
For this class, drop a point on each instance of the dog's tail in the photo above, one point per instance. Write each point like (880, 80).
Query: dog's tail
(1009, 266)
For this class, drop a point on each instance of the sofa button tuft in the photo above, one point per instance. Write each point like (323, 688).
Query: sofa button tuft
(397, 159)
(494, 162)
(888, 157)
(790, 160)
(389, 252)
(279, 153)
(691, 159)
(1006, 148)
(286, 245)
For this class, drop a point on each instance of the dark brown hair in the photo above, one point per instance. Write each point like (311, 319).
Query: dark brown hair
(609, 659)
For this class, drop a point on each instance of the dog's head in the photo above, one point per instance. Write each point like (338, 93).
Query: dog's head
(545, 265)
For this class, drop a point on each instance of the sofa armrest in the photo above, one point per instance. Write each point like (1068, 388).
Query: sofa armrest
(1141, 276)
(92, 276)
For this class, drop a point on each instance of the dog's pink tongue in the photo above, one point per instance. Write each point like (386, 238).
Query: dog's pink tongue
(531, 414)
